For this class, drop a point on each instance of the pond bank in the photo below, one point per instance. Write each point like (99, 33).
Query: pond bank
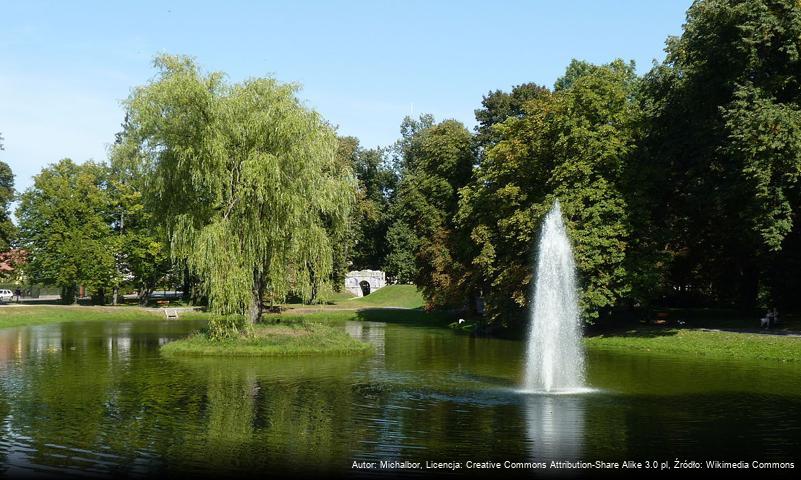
(708, 343)
(21, 315)
(653, 339)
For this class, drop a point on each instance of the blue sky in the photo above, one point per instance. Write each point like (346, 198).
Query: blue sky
(65, 66)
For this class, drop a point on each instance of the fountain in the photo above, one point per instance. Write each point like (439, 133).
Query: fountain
(555, 357)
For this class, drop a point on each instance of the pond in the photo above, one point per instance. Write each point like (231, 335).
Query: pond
(96, 398)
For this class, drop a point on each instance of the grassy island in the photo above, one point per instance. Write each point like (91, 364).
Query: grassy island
(291, 336)
(310, 329)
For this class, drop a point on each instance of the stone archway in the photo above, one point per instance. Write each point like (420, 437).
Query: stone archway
(364, 282)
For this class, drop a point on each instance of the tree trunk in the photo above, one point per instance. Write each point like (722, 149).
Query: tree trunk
(187, 287)
(99, 298)
(68, 295)
(313, 296)
(255, 308)
(144, 296)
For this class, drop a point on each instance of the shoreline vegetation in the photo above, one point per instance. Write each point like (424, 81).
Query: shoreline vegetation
(319, 329)
(297, 337)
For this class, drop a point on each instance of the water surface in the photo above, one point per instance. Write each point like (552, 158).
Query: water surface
(96, 398)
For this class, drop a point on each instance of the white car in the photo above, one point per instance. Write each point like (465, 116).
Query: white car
(6, 295)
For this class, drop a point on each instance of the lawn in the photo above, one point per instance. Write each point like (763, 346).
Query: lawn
(703, 343)
(15, 316)
(728, 319)
(400, 296)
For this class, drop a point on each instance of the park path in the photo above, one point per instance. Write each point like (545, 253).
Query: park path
(773, 333)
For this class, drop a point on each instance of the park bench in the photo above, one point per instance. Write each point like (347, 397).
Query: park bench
(171, 313)
(661, 318)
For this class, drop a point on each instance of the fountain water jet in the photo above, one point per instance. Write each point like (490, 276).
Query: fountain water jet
(555, 357)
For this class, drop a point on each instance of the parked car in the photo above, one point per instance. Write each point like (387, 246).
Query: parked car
(6, 296)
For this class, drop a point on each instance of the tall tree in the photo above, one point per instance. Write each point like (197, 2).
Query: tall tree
(401, 244)
(246, 180)
(376, 183)
(498, 105)
(438, 162)
(65, 226)
(7, 229)
(575, 145)
(724, 138)
(142, 250)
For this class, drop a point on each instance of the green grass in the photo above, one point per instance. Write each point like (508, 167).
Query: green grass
(401, 296)
(293, 336)
(700, 343)
(338, 297)
(13, 316)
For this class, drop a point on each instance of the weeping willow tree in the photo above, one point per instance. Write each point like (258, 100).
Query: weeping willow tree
(245, 180)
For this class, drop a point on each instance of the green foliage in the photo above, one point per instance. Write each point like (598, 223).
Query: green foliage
(228, 327)
(723, 148)
(343, 245)
(401, 244)
(765, 139)
(577, 69)
(143, 258)
(575, 145)
(65, 225)
(497, 106)
(246, 181)
(7, 228)
(370, 221)
(438, 160)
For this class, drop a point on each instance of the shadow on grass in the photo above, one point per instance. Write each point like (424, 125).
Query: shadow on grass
(728, 318)
(416, 316)
(37, 301)
(643, 331)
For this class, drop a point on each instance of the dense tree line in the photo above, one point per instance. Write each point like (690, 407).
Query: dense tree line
(85, 226)
(678, 187)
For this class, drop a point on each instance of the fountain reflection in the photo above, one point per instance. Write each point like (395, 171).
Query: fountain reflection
(555, 426)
